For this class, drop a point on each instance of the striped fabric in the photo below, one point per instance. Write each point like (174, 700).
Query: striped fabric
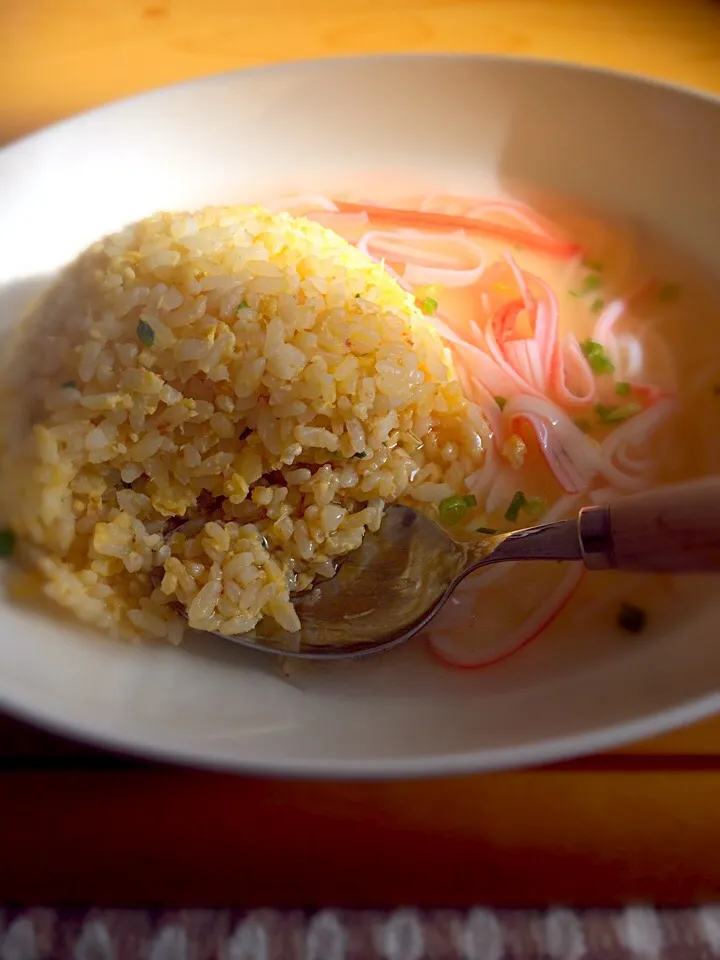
(635, 933)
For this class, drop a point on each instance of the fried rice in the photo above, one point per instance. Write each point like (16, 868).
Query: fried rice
(208, 410)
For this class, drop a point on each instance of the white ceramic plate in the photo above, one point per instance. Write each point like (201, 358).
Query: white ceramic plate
(464, 123)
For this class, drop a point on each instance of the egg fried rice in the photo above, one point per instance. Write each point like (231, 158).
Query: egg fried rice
(207, 410)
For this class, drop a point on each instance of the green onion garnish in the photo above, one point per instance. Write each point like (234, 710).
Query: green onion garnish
(357, 296)
(145, 333)
(68, 385)
(429, 306)
(533, 506)
(597, 305)
(362, 455)
(599, 361)
(453, 509)
(591, 282)
(244, 304)
(490, 531)
(7, 543)
(625, 412)
(516, 504)
(501, 401)
(595, 265)
(668, 292)
(622, 388)
(582, 424)
(616, 414)
(631, 618)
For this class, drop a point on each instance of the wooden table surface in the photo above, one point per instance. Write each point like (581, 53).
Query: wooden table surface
(83, 828)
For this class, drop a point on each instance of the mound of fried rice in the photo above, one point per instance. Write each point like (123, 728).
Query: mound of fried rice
(208, 409)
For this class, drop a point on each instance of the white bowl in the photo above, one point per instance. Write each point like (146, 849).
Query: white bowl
(468, 123)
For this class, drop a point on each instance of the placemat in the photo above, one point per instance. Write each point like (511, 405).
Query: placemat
(404, 934)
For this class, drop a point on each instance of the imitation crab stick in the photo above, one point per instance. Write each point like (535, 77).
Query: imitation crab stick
(430, 220)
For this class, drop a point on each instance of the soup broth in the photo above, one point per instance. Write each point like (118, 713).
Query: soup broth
(589, 347)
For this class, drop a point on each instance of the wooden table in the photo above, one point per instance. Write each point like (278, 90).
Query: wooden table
(79, 827)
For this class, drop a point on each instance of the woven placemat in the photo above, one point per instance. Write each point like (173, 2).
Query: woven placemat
(404, 934)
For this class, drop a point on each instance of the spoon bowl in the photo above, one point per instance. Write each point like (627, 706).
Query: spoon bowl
(383, 593)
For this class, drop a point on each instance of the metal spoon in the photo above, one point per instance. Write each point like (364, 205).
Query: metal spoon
(395, 583)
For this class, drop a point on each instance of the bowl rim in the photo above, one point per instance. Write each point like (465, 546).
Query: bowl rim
(551, 64)
(481, 760)
(556, 750)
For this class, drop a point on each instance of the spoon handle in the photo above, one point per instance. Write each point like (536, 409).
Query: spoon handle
(673, 528)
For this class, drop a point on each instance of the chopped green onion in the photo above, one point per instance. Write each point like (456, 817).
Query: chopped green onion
(453, 509)
(516, 504)
(582, 424)
(533, 506)
(597, 305)
(68, 385)
(357, 296)
(362, 455)
(668, 292)
(591, 348)
(145, 333)
(501, 401)
(599, 361)
(616, 414)
(622, 388)
(591, 282)
(490, 531)
(631, 618)
(244, 304)
(625, 412)
(602, 365)
(429, 306)
(7, 543)
(595, 265)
